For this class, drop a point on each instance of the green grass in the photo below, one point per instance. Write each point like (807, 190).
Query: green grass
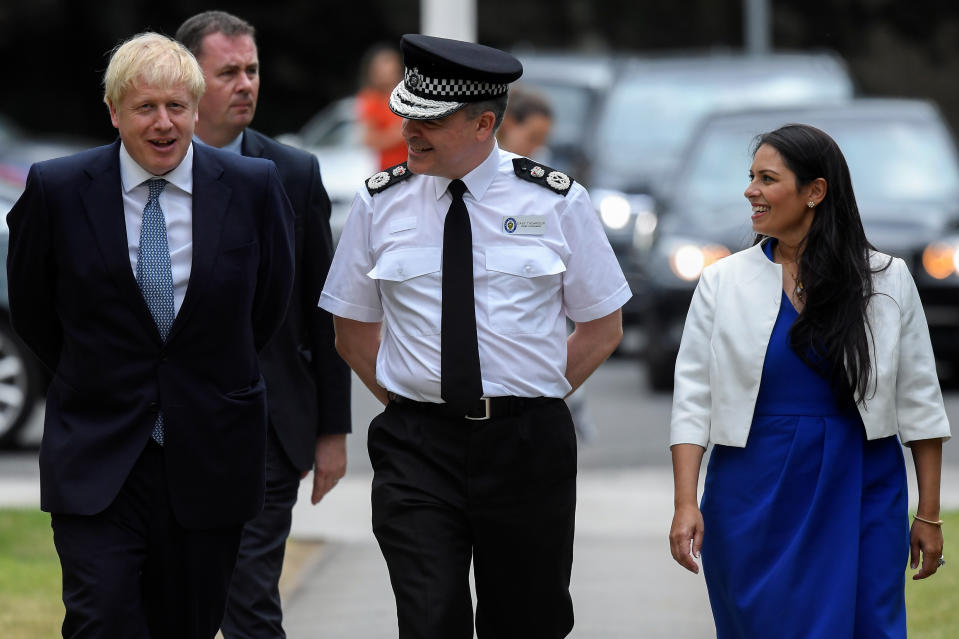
(30, 605)
(931, 610)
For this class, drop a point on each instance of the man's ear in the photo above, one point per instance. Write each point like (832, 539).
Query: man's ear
(485, 126)
(113, 114)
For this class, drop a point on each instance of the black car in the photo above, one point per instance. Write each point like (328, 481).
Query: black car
(654, 106)
(905, 172)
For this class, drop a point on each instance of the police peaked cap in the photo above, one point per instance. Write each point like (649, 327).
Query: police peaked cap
(442, 76)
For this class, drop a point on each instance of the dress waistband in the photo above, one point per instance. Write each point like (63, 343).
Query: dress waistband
(804, 408)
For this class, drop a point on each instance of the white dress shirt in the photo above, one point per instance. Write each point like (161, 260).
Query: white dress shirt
(176, 200)
(388, 267)
(234, 146)
(730, 321)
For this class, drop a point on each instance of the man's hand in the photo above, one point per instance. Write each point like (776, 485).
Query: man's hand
(330, 464)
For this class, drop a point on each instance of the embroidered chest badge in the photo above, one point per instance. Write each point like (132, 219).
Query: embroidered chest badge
(524, 224)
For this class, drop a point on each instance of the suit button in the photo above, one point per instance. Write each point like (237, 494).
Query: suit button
(154, 407)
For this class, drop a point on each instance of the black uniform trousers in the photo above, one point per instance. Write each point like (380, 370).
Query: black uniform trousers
(132, 572)
(501, 492)
(253, 609)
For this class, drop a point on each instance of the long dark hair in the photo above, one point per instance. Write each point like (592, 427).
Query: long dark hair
(831, 332)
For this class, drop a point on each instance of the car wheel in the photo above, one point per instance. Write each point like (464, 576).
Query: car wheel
(19, 385)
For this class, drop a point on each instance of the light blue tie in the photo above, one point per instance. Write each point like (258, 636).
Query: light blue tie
(153, 272)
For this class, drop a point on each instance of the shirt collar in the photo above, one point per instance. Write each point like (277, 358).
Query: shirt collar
(234, 146)
(133, 175)
(478, 180)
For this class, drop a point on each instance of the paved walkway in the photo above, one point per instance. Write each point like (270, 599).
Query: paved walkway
(623, 577)
(625, 584)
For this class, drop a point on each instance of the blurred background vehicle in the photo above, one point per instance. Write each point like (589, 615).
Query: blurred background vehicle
(19, 149)
(22, 381)
(652, 109)
(335, 137)
(575, 85)
(905, 172)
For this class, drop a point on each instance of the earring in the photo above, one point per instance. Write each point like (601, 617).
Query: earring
(811, 204)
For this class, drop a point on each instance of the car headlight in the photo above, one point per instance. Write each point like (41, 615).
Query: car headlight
(643, 229)
(688, 260)
(941, 259)
(620, 212)
(614, 210)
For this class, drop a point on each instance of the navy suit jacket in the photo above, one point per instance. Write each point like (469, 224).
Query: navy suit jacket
(308, 383)
(75, 302)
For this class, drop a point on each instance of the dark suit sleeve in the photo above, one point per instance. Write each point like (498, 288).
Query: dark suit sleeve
(330, 372)
(275, 274)
(31, 272)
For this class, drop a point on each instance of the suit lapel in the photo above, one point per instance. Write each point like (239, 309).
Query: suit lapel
(210, 200)
(103, 204)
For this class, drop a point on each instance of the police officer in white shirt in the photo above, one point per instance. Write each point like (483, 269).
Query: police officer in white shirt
(450, 288)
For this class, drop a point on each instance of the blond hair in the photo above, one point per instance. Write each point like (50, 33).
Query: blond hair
(153, 59)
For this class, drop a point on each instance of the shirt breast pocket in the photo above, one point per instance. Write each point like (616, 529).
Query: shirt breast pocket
(523, 290)
(411, 286)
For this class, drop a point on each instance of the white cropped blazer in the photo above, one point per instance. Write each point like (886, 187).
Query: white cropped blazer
(724, 343)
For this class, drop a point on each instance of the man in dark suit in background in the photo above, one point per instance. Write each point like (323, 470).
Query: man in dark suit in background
(145, 275)
(308, 384)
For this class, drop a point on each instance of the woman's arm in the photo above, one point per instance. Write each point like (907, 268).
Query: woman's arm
(689, 427)
(686, 532)
(926, 538)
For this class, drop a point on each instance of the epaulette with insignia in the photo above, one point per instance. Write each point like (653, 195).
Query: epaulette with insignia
(543, 175)
(387, 178)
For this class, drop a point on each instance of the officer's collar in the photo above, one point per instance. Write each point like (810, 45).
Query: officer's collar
(478, 180)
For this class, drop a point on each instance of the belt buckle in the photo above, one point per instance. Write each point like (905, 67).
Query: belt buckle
(485, 401)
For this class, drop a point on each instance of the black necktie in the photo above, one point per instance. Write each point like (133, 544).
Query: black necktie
(460, 380)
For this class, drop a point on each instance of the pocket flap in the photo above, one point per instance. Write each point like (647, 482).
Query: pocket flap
(528, 261)
(403, 264)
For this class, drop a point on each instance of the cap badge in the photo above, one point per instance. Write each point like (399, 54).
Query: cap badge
(378, 180)
(557, 180)
(415, 78)
(537, 172)
(399, 170)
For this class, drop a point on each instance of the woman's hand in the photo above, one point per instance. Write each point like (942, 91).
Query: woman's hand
(926, 539)
(686, 536)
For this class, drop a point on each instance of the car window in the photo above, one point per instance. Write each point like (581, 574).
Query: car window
(649, 116)
(889, 160)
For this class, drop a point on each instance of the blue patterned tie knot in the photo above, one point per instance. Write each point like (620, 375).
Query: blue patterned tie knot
(154, 275)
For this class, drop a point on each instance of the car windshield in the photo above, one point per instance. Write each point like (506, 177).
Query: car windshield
(891, 160)
(651, 115)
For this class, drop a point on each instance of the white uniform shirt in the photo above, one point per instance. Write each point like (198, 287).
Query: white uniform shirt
(176, 200)
(388, 265)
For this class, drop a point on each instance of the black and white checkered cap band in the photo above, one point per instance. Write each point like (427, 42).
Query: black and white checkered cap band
(442, 88)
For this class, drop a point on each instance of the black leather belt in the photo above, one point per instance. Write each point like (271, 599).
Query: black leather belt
(483, 409)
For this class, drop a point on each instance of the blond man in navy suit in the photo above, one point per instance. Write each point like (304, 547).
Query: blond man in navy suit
(153, 449)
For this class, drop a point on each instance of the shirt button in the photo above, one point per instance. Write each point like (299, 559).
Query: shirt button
(399, 271)
(528, 268)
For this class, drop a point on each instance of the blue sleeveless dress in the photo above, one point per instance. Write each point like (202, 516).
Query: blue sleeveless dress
(806, 528)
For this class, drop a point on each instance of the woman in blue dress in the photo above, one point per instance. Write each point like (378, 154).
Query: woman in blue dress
(805, 361)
